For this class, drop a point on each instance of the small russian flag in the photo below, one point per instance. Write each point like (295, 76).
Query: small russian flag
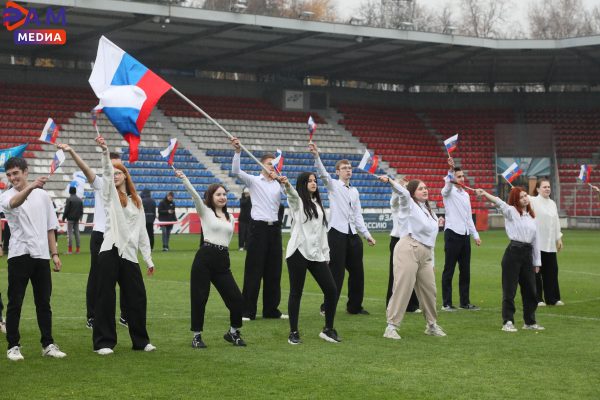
(451, 143)
(278, 161)
(169, 153)
(59, 158)
(366, 166)
(50, 132)
(584, 173)
(312, 127)
(512, 172)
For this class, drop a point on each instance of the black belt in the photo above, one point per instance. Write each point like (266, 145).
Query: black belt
(521, 245)
(214, 246)
(267, 223)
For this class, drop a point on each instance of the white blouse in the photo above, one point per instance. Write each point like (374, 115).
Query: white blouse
(307, 236)
(400, 210)
(422, 225)
(548, 224)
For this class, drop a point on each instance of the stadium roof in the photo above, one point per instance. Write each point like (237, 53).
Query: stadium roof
(197, 39)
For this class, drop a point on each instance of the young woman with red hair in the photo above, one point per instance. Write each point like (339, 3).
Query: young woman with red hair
(125, 234)
(521, 259)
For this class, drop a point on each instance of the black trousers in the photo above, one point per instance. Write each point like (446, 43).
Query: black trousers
(517, 269)
(150, 230)
(212, 265)
(263, 261)
(21, 270)
(115, 269)
(457, 249)
(346, 253)
(243, 230)
(547, 279)
(92, 283)
(297, 266)
(413, 303)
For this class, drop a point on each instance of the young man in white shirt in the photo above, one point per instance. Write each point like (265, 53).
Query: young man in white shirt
(97, 236)
(263, 247)
(345, 222)
(32, 219)
(457, 239)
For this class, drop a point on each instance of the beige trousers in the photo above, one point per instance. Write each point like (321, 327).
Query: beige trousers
(413, 268)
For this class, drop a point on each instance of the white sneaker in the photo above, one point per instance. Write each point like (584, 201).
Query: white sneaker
(14, 354)
(322, 313)
(417, 311)
(559, 303)
(541, 304)
(391, 333)
(434, 330)
(534, 327)
(2, 326)
(246, 319)
(53, 351)
(150, 347)
(509, 327)
(284, 316)
(104, 351)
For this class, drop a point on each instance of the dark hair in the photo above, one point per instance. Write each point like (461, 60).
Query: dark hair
(412, 188)
(266, 156)
(310, 209)
(456, 169)
(15, 162)
(114, 156)
(540, 181)
(208, 199)
(513, 200)
(72, 190)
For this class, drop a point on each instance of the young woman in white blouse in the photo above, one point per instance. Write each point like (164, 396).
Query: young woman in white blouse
(124, 235)
(521, 258)
(212, 263)
(550, 241)
(308, 249)
(413, 259)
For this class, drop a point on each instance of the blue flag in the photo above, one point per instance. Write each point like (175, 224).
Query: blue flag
(5, 154)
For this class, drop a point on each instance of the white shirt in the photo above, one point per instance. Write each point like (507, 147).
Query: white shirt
(458, 210)
(344, 204)
(548, 224)
(99, 214)
(29, 223)
(125, 227)
(216, 230)
(422, 225)
(265, 193)
(521, 228)
(400, 211)
(307, 236)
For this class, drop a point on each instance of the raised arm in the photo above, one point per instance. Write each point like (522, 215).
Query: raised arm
(504, 208)
(87, 171)
(236, 168)
(201, 208)
(21, 196)
(108, 171)
(321, 170)
(293, 197)
(448, 185)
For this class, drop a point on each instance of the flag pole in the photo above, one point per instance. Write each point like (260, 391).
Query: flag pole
(201, 111)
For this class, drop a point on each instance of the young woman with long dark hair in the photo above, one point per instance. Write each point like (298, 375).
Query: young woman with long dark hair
(124, 235)
(521, 260)
(308, 249)
(413, 260)
(212, 263)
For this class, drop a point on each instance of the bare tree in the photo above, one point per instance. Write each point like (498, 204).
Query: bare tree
(554, 19)
(484, 18)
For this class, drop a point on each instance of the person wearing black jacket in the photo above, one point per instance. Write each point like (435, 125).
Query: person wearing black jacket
(166, 213)
(150, 212)
(72, 214)
(244, 218)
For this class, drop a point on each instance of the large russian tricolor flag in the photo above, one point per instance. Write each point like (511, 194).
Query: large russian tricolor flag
(169, 153)
(512, 172)
(365, 165)
(127, 90)
(584, 173)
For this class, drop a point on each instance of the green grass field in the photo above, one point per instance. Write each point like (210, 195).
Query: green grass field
(475, 361)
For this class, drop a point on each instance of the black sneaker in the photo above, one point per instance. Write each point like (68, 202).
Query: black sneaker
(123, 321)
(90, 323)
(294, 338)
(234, 338)
(470, 307)
(361, 312)
(330, 335)
(197, 342)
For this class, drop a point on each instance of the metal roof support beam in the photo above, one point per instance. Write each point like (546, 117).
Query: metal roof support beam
(549, 74)
(191, 37)
(492, 75)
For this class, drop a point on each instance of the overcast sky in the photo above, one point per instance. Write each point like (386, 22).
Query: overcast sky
(346, 8)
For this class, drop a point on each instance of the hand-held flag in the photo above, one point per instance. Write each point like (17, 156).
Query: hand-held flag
(312, 127)
(365, 165)
(50, 132)
(451, 143)
(584, 173)
(512, 173)
(59, 158)
(127, 90)
(278, 161)
(169, 153)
